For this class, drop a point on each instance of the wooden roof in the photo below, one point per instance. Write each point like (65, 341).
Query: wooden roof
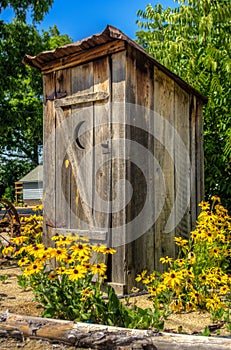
(35, 175)
(110, 35)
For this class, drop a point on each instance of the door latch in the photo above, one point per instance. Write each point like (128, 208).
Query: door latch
(106, 147)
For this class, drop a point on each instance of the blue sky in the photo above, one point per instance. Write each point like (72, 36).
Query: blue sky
(82, 18)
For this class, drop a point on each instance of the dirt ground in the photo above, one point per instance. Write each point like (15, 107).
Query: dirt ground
(19, 301)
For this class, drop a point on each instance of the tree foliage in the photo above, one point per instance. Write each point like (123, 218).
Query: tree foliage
(38, 8)
(193, 40)
(21, 89)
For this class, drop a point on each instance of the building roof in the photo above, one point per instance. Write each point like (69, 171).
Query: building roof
(79, 47)
(35, 175)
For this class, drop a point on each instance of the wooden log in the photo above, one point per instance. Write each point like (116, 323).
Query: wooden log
(103, 337)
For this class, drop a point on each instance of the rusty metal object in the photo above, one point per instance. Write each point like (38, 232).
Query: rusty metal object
(9, 218)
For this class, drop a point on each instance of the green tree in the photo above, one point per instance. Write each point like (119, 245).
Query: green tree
(193, 40)
(21, 89)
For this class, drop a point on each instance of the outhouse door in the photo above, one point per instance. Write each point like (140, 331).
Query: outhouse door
(83, 160)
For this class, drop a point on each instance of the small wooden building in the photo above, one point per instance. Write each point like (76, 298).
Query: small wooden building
(32, 186)
(123, 150)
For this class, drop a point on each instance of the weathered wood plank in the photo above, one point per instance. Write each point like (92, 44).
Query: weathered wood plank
(63, 171)
(93, 336)
(102, 146)
(80, 98)
(144, 252)
(139, 107)
(183, 175)
(91, 235)
(118, 63)
(84, 57)
(163, 152)
(49, 170)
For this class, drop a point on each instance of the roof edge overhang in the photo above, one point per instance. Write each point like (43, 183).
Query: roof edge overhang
(110, 34)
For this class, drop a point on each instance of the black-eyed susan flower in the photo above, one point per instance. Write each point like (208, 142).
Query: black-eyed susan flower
(180, 262)
(214, 302)
(60, 254)
(57, 237)
(19, 240)
(77, 272)
(166, 260)
(52, 276)
(61, 270)
(190, 306)
(215, 252)
(141, 276)
(181, 242)
(81, 249)
(8, 250)
(107, 250)
(99, 269)
(224, 289)
(34, 268)
(176, 305)
(204, 205)
(196, 297)
(64, 241)
(23, 261)
(152, 290)
(86, 293)
(172, 278)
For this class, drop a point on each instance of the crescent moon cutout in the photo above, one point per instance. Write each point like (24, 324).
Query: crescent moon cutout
(77, 137)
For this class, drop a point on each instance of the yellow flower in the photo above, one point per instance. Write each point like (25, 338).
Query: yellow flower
(52, 276)
(69, 259)
(60, 254)
(20, 251)
(166, 260)
(152, 290)
(81, 249)
(77, 272)
(7, 250)
(57, 237)
(181, 242)
(192, 257)
(172, 279)
(99, 269)
(215, 251)
(106, 250)
(23, 261)
(34, 268)
(86, 293)
(19, 240)
(161, 288)
(61, 270)
(214, 302)
(81, 258)
(204, 205)
(189, 306)
(64, 241)
(180, 262)
(176, 305)
(35, 249)
(224, 289)
(149, 279)
(141, 276)
(196, 297)
(216, 199)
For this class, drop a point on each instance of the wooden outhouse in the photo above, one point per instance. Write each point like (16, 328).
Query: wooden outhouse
(123, 151)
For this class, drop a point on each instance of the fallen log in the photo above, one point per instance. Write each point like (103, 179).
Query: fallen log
(94, 336)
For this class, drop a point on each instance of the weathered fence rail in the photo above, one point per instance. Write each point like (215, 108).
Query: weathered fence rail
(92, 336)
